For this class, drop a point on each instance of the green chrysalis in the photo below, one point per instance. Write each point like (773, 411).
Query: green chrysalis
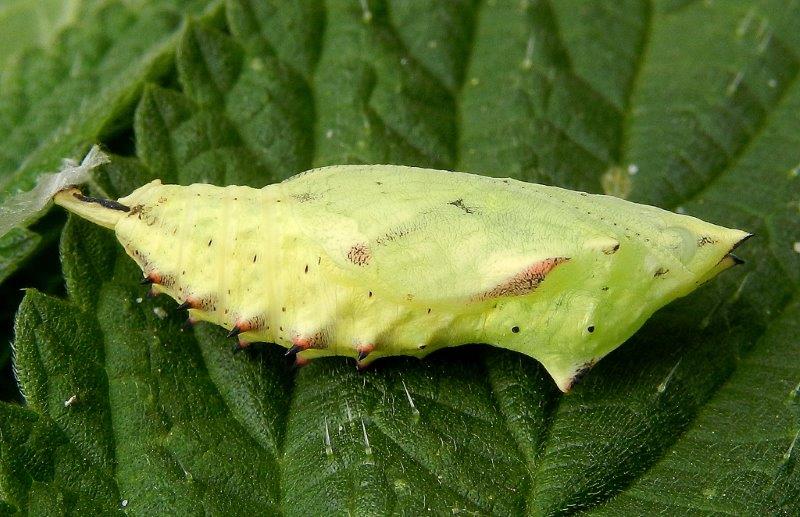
(381, 260)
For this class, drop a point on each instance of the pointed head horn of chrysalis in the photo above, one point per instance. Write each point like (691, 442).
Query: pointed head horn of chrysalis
(728, 259)
(707, 251)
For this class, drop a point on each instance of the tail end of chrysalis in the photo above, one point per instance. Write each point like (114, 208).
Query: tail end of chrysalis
(104, 212)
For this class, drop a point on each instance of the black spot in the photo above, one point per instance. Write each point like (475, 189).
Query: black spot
(254, 258)
(660, 272)
(515, 329)
(422, 346)
(306, 268)
(370, 294)
(590, 328)
(604, 288)
(210, 241)
(283, 309)
(429, 310)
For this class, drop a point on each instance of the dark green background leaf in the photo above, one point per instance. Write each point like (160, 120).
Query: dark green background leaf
(689, 105)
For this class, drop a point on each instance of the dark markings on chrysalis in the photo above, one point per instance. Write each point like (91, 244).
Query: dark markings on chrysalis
(359, 254)
(524, 282)
(107, 203)
(459, 203)
(581, 373)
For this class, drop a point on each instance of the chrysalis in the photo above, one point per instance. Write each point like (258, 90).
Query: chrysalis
(381, 260)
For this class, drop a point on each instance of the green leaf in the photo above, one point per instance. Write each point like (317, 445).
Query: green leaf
(687, 105)
(31, 23)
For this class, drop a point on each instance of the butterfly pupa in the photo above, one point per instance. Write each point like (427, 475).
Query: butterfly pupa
(369, 261)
